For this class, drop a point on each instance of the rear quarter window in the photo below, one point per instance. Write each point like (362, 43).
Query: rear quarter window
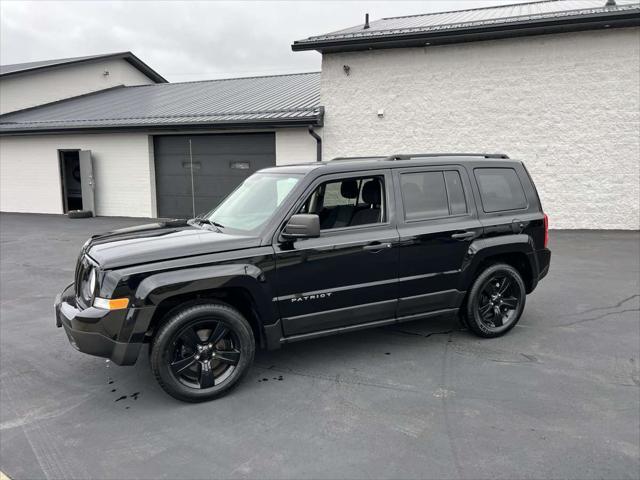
(500, 189)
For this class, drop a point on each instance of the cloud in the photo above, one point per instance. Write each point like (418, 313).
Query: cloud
(191, 40)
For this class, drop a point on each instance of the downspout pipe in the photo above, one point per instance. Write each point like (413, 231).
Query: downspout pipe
(318, 138)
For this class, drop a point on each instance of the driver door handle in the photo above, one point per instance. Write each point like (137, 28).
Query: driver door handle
(376, 247)
(463, 236)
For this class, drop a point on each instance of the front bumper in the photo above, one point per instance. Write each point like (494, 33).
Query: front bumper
(93, 330)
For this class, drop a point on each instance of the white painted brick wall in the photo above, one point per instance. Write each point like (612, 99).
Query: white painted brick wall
(30, 177)
(566, 104)
(295, 145)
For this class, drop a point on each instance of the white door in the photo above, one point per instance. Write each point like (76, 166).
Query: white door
(87, 181)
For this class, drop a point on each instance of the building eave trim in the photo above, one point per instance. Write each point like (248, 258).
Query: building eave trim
(317, 121)
(627, 18)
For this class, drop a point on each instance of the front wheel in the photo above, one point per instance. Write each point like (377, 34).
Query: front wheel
(202, 351)
(496, 301)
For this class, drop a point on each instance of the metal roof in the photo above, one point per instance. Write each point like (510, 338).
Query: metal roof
(447, 24)
(18, 68)
(272, 100)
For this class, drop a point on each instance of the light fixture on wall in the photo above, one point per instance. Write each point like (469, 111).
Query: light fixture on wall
(381, 113)
(105, 73)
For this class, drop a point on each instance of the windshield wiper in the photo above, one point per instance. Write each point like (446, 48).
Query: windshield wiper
(201, 220)
(215, 224)
(210, 222)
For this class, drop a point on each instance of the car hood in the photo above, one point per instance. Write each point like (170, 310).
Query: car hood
(161, 241)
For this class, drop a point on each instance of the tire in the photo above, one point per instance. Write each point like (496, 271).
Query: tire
(202, 351)
(493, 307)
(79, 214)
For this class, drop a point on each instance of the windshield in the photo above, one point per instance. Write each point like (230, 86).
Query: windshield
(253, 203)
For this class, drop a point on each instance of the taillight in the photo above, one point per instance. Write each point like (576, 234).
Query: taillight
(546, 230)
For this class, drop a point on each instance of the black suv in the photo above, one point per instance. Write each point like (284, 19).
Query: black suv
(304, 251)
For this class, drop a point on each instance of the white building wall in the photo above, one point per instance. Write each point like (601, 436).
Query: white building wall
(30, 176)
(566, 104)
(295, 145)
(123, 166)
(43, 86)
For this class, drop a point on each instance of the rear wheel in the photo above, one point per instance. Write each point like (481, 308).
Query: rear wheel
(202, 351)
(496, 301)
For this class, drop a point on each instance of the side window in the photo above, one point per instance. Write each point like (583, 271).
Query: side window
(348, 202)
(338, 194)
(455, 192)
(500, 189)
(429, 195)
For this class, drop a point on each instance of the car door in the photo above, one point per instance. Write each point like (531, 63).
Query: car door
(346, 276)
(437, 222)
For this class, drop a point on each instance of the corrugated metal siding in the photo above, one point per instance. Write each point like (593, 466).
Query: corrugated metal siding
(283, 97)
(474, 18)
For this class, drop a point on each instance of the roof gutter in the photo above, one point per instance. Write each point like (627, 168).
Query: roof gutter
(616, 19)
(178, 127)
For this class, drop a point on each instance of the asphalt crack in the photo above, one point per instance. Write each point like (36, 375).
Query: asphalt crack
(337, 379)
(597, 309)
(599, 317)
(446, 395)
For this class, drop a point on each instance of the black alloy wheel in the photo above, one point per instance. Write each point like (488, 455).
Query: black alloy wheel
(202, 351)
(204, 354)
(496, 301)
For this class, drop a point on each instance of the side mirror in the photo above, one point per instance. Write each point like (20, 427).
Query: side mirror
(302, 225)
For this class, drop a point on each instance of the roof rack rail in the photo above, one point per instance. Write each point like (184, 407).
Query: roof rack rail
(358, 158)
(404, 156)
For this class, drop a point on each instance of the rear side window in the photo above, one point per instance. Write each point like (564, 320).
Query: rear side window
(432, 195)
(500, 189)
(455, 192)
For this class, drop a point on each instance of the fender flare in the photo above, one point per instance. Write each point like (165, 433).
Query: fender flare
(481, 249)
(159, 287)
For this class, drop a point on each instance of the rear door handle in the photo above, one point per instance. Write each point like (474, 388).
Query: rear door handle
(463, 236)
(376, 247)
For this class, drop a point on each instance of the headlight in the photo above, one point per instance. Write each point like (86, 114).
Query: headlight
(89, 287)
(92, 281)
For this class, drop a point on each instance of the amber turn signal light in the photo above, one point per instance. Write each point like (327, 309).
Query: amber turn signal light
(111, 303)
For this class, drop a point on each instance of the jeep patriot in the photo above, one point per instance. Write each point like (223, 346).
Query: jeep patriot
(303, 251)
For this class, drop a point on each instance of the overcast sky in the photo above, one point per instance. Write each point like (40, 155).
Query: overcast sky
(189, 40)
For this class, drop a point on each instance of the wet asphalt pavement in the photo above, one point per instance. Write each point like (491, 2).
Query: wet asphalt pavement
(558, 397)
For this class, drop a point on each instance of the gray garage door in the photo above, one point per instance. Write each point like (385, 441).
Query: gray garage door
(220, 163)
